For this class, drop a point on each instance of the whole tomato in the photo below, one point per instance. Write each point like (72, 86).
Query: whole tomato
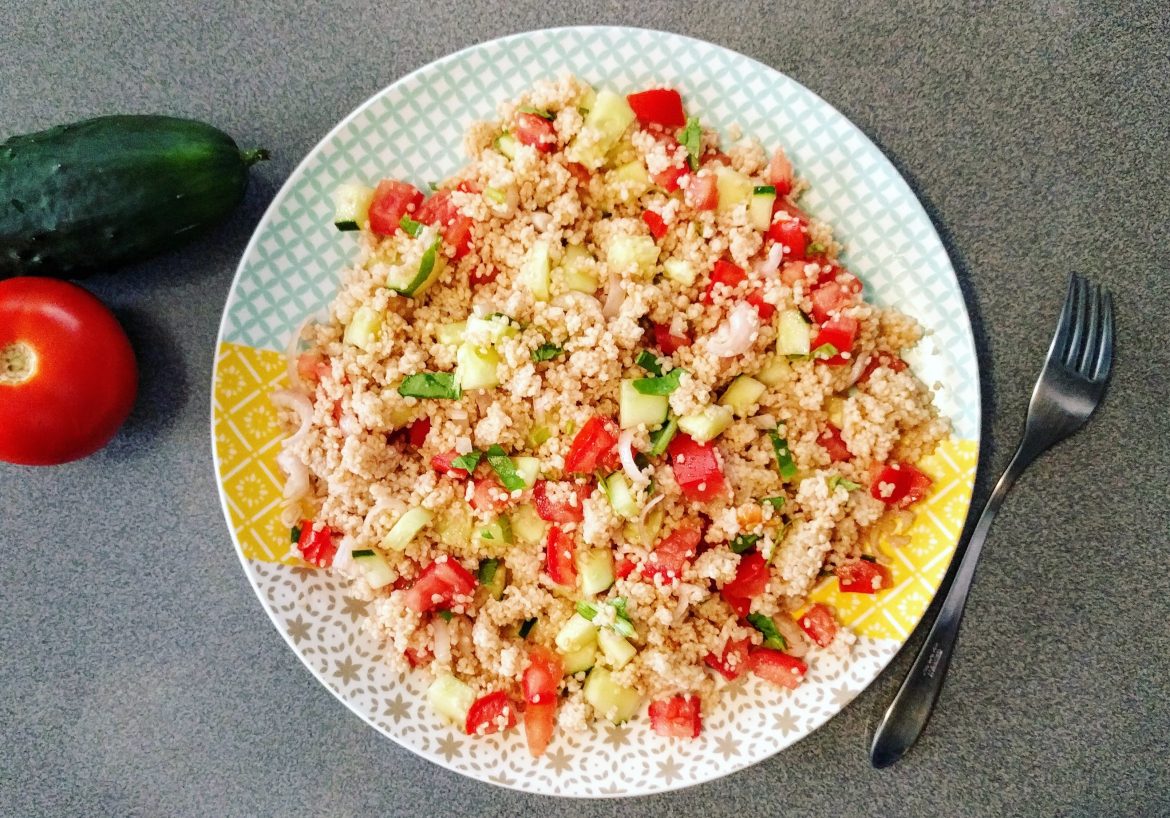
(67, 372)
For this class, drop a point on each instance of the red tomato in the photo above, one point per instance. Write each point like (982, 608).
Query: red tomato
(560, 557)
(490, 714)
(482, 275)
(734, 659)
(312, 366)
(580, 173)
(417, 658)
(780, 173)
(677, 717)
(751, 579)
(536, 131)
(790, 233)
(905, 485)
(840, 332)
(658, 106)
(442, 464)
(316, 547)
(489, 495)
(560, 511)
(392, 201)
(834, 295)
(667, 341)
(67, 372)
(702, 192)
(654, 221)
(820, 625)
(763, 308)
(417, 432)
(539, 721)
(725, 273)
(668, 179)
(439, 584)
(862, 577)
(879, 359)
(777, 667)
(593, 447)
(792, 272)
(834, 444)
(469, 186)
(543, 675)
(697, 469)
(671, 555)
(441, 212)
(623, 567)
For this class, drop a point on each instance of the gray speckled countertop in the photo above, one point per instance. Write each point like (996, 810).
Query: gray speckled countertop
(138, 673)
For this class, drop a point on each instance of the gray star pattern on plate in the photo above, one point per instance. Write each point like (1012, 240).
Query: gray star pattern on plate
(448, 747)
(353, 607)
(304, 572)
(669, 769)
(842, 695)
(397, 708)
(559, 760)
(617, 735)
(785, 722)
(726, 746)
(347, 670)
(297, 628)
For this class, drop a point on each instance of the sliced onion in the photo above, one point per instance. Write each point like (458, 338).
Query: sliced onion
(858, 367)
(297, 485)
(734, 336)
(793, 635)
(646, 510)
(299, 403)
(343, 559)
(442, 639)
(771, 265)
(626, 452)
(764, 421)
(615, 296)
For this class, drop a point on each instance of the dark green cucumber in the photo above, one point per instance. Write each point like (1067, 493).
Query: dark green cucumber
(101, 193)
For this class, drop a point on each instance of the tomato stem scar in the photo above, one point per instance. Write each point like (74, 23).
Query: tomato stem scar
(18, 363)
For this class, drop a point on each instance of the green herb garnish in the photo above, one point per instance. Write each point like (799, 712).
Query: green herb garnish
(775, 502)
(547, 351)
(621, 621)
(296, 533)
(825, 351)
(649, 361)
(586, 610)
(784, 462)
(526, 627)
(540, 112)
(815, 248)
(425, 267)
(409, 225)
(487, 571)
(772, 636)
(468, 461)
(743, 542)
(662, 385)
(661, 438)
(444, 615)
(845, 483)
(504, 468)
(433, 186)
(764, 190)
(691, 138)
(430, 385)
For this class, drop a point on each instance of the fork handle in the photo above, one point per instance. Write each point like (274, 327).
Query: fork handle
(908, 713)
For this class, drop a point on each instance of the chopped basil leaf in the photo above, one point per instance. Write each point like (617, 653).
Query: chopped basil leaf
(425, 267)
(845, 483)
(765, 625)
(504, 468)
(784, 462)
(540, 112)
(361, 553)
(547, 351)
(411, 227)
(691, 138)
(815, 248)
(825, 351)
(296, 533)
(764, 190)
(526, 627)
(743, 542)
(586, 610)
(430, 385)
(649, 361)
(444, 615)
(660, 439)
(487, 571)
(663, 385)
(775, 502)
(468, 461)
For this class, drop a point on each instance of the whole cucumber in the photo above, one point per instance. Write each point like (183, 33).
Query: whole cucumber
(98, 194)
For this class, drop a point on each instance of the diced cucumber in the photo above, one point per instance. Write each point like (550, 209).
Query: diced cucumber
(677, 269)
(430, 267)
(595, 567)
(475, 367)
(587, 99)
(451, 698)
(363, 328)
(452, 333)
(507, 144)
(621, 498)
(493, 576)
(835, 408)
(610, 699)
(496, 536)
(793, 336)
(537, 435)
(607, 120)
(632, 254)
(527, 527)
(742, 395)
(760, 206)
(645, 532)
(351, 206)
(734, 188)
(578, 269)
(374, 566)
(635, 408)
(706, 425)
(454, 527)
(617, 651)
(406, 528)
(492, 328)
(577, 661)
(575, 634)
(632, 178)
(660, 440)
(535, 271)
(776, 372)
(528, 469)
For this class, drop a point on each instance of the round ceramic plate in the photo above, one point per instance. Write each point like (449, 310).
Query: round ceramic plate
(413, 130)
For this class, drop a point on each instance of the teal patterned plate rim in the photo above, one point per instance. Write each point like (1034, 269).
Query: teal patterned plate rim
(413, 129)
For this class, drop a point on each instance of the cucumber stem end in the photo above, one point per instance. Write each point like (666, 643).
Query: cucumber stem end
(253, 155)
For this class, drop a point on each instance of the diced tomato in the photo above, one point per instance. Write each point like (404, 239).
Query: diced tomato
(580, 173)
(543, 675)
(751, 579)
(560, 511)
(491, 714)
(482, 275)
(777, 667)
(539, 721)
(316, 546)
(624, 567)
(792, 211)
(655, 222)
(792, 272)
(840, 331)
(862, 577)
(536, 131)
(697, 468)
(440, 211)
(312, 366)
(702, 193)
(733, 661)
(879, 359)
(834, 444)
(417, 432)
(439, 584)
(790, 233)
(593, 447)
(658, 106)
(780, 173)
(560, 557)
(469, 186)
(392, 200)
(905, 485)
(668, 341)
(820, 625)
(834, 295)
(668, 179)
(763, 308)
(725, 273)
(671, 555)
(714, 156)
(677, 717)
(442, 464)
(417, 658)
(490, 495)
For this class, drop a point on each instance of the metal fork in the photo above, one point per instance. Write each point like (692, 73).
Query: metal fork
(1069, 388)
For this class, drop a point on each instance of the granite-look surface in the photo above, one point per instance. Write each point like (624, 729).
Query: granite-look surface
(138, 673)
